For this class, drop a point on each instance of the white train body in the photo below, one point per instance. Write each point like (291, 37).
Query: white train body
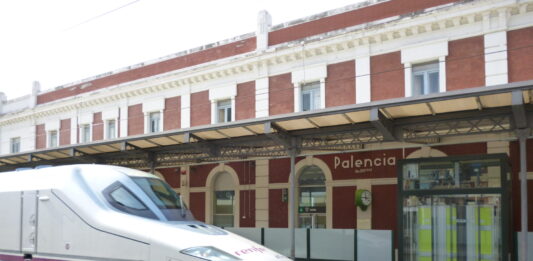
(87, 212)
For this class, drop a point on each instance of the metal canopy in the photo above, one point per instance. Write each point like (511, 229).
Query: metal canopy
(420, 119)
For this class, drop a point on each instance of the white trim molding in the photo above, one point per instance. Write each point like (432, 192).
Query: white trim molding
(421, 53)
(306, 75)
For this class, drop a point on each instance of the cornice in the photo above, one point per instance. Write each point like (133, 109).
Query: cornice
(386, 30)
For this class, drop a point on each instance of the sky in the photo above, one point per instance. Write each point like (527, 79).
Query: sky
(57, 42)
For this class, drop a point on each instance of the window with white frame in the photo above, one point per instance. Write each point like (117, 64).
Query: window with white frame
(425, 79)
(310, 96)
(15, 145)
(111, 129)
(85, 133)
(154, 119)
(53, 139)
(223, 111)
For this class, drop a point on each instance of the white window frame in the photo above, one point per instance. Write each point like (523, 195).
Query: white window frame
(228, 92)
(50, 142)
(424, 70)
(107, 131)
(83, 137)
(317, 73)
(312, 89)
(224, 105)
(150, 125)
(12, 142)
(424, 53)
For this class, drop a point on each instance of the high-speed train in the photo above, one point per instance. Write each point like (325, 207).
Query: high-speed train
(97, 212)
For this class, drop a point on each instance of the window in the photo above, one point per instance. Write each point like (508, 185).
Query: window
(224, 111)
(311, 96)
(155, 121)
(312, 198)
(224, 200)
(53, 139)
(166, 199)
(15, 145)
(426, 78)
(85, 132)
(125, 201)
(111, 129)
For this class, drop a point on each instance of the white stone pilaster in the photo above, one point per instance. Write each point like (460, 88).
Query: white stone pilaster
(496, 71)
(362, 80)
(186, 110)
(261, 193)
(261, 97)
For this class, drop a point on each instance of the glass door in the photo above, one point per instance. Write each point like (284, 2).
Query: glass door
(452, 228)
(454, 209)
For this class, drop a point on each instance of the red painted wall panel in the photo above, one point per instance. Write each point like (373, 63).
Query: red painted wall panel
(198, 174)
(98, 127)
(281, 94)
(203, 56)
(520, 51)
(355, 17)
(340, 84)
(135, 119)
(172, 113)
(247, 208)
(40, 136)
(200, 109)
(172, 176)
(464, 149)
(278, 210)
(363, 165)
(387, 78)
(64, 132)
(245, 101)
(465, 63)
(279, 170)
(197, 205)
(245, 171)
(384, 210)
(344, 209)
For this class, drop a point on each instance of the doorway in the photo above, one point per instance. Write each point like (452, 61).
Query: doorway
(454, 209)
(312, 198)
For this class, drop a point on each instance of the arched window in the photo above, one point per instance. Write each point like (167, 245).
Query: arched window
(224, 200)
(312, 198)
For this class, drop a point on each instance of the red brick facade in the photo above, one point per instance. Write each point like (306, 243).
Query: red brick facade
(135, 120)
(64, 132)
(465, 63)
(172, 113)
(340, 84)
(520, 51)
(98, 126)
(40, 136)
(200, 109)
(387, 77)
(280, 94)
(245, 101)
(344, 209)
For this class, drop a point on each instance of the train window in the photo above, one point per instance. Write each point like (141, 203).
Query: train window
(166, 199)
(124, 200)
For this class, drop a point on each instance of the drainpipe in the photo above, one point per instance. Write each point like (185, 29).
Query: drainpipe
(522, 138)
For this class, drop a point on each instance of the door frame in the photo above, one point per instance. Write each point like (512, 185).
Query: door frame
(503, 191)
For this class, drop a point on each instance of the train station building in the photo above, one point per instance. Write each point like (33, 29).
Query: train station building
(403, 115)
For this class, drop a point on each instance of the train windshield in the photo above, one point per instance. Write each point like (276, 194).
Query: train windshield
(164, 197)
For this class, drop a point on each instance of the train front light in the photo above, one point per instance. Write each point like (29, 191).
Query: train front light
(209, 253)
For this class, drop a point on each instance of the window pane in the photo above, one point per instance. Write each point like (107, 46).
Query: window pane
(154, 121)
(53, 139)
(15, 145)
(111, 129)
(228, 114)
(434, 82)
(224, 202)
(159, 192)
(221, 113)
(125, 198)
(306, 101)
(418, 84)
(316, 99)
